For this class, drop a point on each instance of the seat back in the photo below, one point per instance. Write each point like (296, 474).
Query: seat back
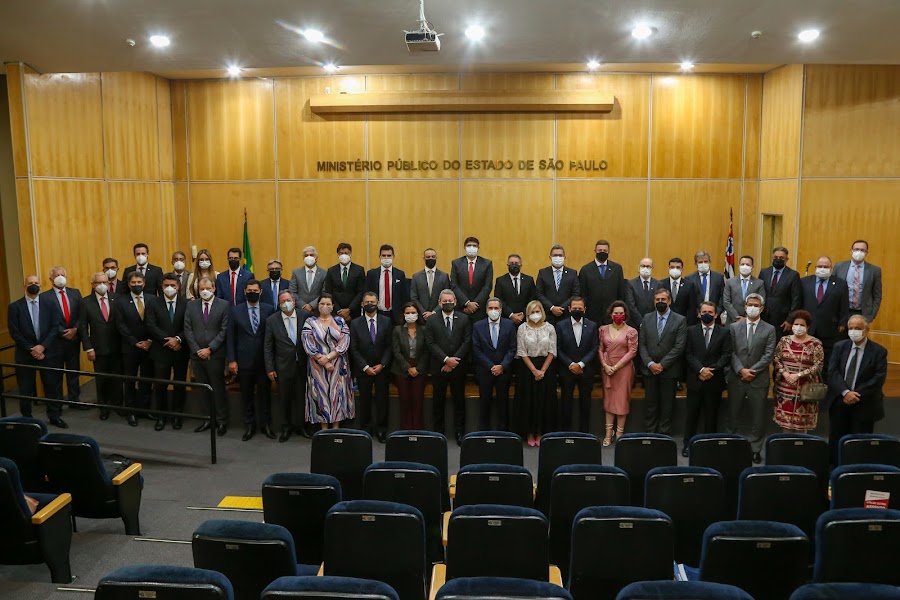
(343, 454)
(801, 450)
(415, 484)
(859, 545)
(328, 588)
(765, 558)
(500, 588)
(850, 484)
(681, 590)
(694, 498)
(18, 542)
(491, 447)
(869, 448)
(73, 464)
(785, 494)
(559, 449)
(497, 541)
(299, 502)
(426, 447)
(846, 591)
(638, 453)
(613, 546)
(573, 488)
(494, 484)
(19, 437)
(164, 583)
(729, 455)
(384, 541)
(251, 555)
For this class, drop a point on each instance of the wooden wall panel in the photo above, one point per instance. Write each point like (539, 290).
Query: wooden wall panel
(698, 126)
(587, 211)
(780, 198)
(891, 341)
(130, 226)
(164, 130)
(321, 214)
(511, 216)
(620, 137)
(183, 218)
(753, 126)
(412, 216)
(14, 78)
(65, 125)
(130, 126)
(305, 138)
(167, 206)
(852, 121)
(26, 231)
(178, 92)
(745, 223)
(781, 120)
(232, 130)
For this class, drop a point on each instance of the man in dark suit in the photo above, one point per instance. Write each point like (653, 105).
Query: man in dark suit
(493, 350)
(449, 336)
(151, 273)
(245, 358)
(165, 321)
(782, 290)
(661, 342)
(576, 348)
(205, 329)
(117, 286)
(274, 285)
(100, 340)
(472, 278)
(863, 281)
(710, 285)
(639, 293)
(136, 342)
(230, 284)
(370, 357)
(67, 301)
(602, 282)
(35, 328)
(427, 284)
(345, 281)
(390, 285)
(286, 362)
(556, 285)
(515, 290)
(826, 298)
(857, 373)
(179, 262)
(708, 356)
(684, 295)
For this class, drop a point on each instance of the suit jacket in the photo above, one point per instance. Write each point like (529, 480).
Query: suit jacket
(121, 288)
(871, 373)
(442, 343)
(223, 285)
(133, 329)
(733, 299)
(482, 282)
(599, 292)
(302, 293)
(568, 351)
(282, 355)
(871, 287)
(346, 296)
(209, 333)
(182, 292)
(638, 301)
(400, 349)
(399, 289)
(486, 356)
(266, 296)
(242, 345)
(716, 356)
(757, 356)
(162, 326)
(715, 282)
(21, 329)
(668, 349)
(510, 300)
(832, 312)
(548, 294)
(76, 312)
(784, 299)
(418, 290)
(152, 280)
(363, 351)
(686, 302)
(97, 333)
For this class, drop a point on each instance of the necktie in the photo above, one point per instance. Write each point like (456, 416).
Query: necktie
(707, 335)
(254, 318)
(112, 286)
(820, 293)
(447, 323)
(103, 309)
(233, 290)
(344, 276)
(494, 335)
(750, 331)
(309, 279)
(205, 312)
(647, 286)
(140, 307)
(35, 322)
(602, 271)
(856, 288)
(65, 305)
(558, 275)
(703, 286)
(292, 330)
(387, 289)
(516, 284)
(471, 274)
(372, 329)
(850, 377)
(141, 269)
(774, 281)
(171, 311)
(430, 276)
(275, 292)
(660, 324)
(744, 288)
(674, 291)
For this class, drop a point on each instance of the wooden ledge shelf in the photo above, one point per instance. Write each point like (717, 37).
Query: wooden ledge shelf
(453, 101)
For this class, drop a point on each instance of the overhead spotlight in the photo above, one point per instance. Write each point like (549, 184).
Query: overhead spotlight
(593, 64)
(160, 41)
(313, 35)
(642, 32)
(233, 71)
(808, 35)
(475, 32)
(687, 65)
(330, 67)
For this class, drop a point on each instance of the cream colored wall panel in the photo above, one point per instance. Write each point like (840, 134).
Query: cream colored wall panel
(130, 126)
(136, 215)
(781, 120)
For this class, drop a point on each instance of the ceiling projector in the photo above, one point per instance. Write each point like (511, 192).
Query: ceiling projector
(425, 38)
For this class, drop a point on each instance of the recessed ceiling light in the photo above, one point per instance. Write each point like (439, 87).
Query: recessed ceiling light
(475, 32)
(642, 32)
(687, 65)
(313, 35)
(808, 35)
(160, 41)
(330, 68)
(593, 64)
(233, 71)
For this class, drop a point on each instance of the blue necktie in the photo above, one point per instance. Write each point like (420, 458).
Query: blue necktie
(35, 321)
(744, 287)
(602, 271)
(558, 275)
(703, 285)
(254, 318)
(171, 311)
(275, 293)
(660, 325)
(494, 335)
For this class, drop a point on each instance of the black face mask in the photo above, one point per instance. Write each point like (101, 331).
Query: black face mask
(34, 289)
(430, 262)
(777, 263)
(577, 314)
(234, 264)
(274, 275)
(137, 289)
(661, 307)
(602, 256)
(253, 296)
(514, 269)
(448, 307)
(707, 318)
(370, 308)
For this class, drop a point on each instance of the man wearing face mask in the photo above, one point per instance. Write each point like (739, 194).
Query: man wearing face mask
(449, 337)
(661, 342)
(111, 268)
(67, 302)
(165, 321)
(427, 284)
(472, 277)
(556, 285)
(577, 340)
(639, 293)
(493, 350)
(286, 363)
(710, 285)
(826, 298)
(308, 281)
(389, 283)
(863, 281)
(738, 288)
(151, 273)
(230, 284)
(345, 281)
(370, 353)
(136, 342)
(515, 290)
(782, 291)
(274, 285)
(179, 261)
(601, 282)
(100, 340)
(683, 293)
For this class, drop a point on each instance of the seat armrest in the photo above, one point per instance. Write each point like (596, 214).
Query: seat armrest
(556, 576)
(51, 509)
(127, 474)
(438, 578)
(445, 526)
(453, 486)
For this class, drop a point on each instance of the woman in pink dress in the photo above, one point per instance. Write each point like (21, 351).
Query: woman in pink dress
(618, 347)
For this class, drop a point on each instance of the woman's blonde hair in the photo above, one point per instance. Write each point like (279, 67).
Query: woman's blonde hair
(530, 309)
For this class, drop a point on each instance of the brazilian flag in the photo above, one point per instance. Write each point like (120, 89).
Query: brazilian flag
(248, 256)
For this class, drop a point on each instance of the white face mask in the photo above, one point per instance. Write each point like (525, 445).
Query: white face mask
(111, 273)
(493, 314)
(325, 309)
(141, 259)
(745, 270)
(753, 311)
(309, 261)
(856, 335)
(823, 272)
(344, 259)
(799, 330)
(557, 261)
(101, 289)
(535, 317)
(471, 251)
(287, 306)
(387, 262)
(60, 281)
(674, 273)
(206, 294)
(170, 291)
(645, 271)
(858, 255)
(205, 264)
(703, 267)
(411, 317)
(179, 265)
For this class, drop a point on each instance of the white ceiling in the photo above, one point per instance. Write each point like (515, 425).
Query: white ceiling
(89, 35)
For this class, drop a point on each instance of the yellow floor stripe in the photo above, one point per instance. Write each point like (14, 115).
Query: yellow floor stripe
(241, 502)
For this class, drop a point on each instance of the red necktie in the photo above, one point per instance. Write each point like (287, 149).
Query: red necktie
(112, 287)
(233, 291)
(471, 274)
(774, 281)
(65, 304)
(387, 289)
(821, 292)
(103, 308)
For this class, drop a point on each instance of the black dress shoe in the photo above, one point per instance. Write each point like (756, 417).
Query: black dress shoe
(285, 435)
(757, 458)
(306, 431)
(222, 429)
(459, 439)
(104, 414)
(381, 437)
(269, 433)
(248, 434)
(57, 422)
(132, 420)
(204, 426)
(684, 451)
(160, 425)
(176, 424)
(78, 406)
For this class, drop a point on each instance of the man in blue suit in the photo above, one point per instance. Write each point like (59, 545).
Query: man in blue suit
(389, 284)
(577, 340)
(230, 284)
(274, 285)
(244, 354)
(35, 326)
(370, 361)
(494, 348)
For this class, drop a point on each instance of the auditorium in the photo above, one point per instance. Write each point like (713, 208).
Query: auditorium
(429, 300)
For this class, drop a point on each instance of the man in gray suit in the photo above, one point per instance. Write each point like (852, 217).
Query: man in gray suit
(179, 263)
(753, 348)
(661, 342)
(286, 362)
(307, 281)
(427, 284)
(864, 280)
(738, 288)
(205, 327)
